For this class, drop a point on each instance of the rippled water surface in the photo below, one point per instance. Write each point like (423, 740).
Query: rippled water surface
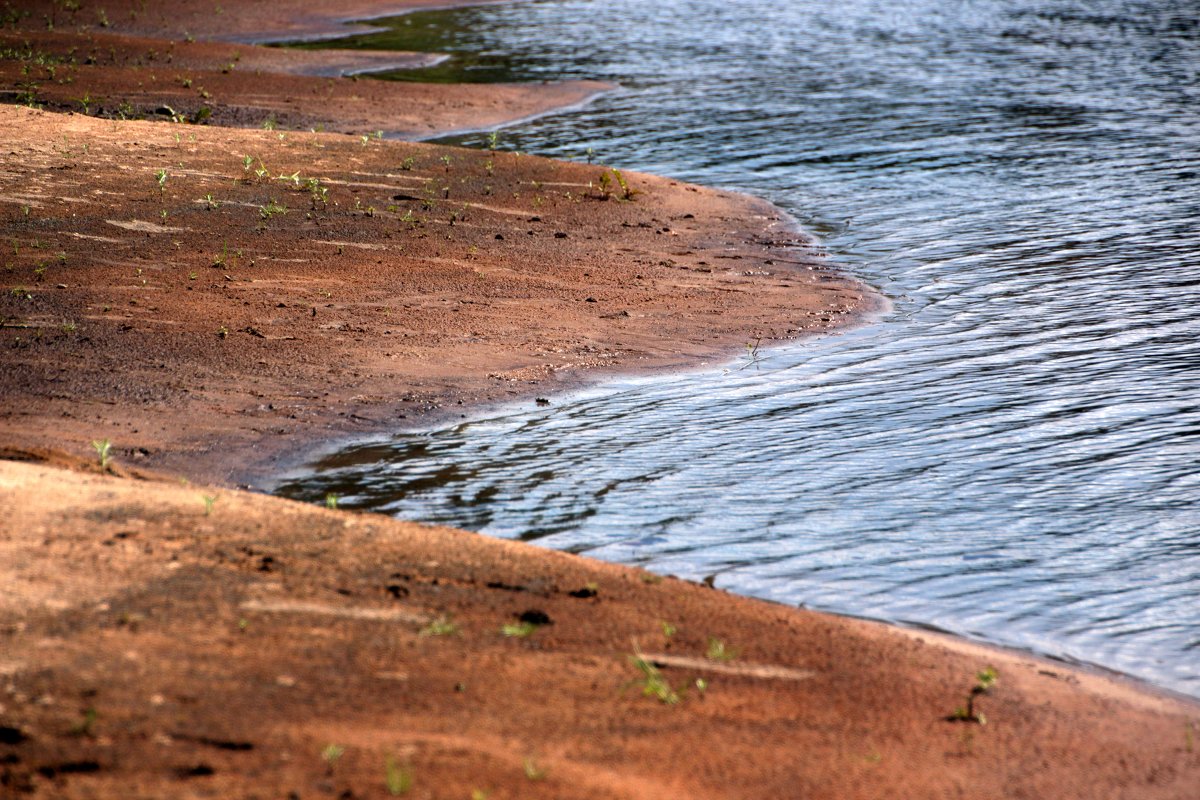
(1014, 453)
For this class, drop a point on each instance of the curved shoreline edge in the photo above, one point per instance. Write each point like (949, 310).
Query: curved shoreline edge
(164, 639)
(260, 632)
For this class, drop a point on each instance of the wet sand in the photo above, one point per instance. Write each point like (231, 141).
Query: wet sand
(213, 317)
(131, 77)
(218, 322)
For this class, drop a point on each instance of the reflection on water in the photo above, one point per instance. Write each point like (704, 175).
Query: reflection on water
(1014, 454)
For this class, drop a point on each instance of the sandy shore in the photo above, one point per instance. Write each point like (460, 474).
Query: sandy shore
(214, 323)
(245, 21)
(182, 641)
(132, 77)
(214, 299)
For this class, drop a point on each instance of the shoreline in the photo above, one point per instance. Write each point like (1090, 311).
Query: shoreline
(262, 632)
(299, 463)
(566, 108)
(355, 25)
(493, 276)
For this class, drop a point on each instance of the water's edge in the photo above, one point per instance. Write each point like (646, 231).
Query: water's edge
(1010, 453)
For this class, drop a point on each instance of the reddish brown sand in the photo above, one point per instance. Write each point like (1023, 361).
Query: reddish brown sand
(235, 21)
(158, 644)
(168, 640)
(241, 85)
(254, 315)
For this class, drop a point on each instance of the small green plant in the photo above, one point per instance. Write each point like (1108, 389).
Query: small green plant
(397, 778)
(222, 332)
(627, 192)
(604, 183)
(652, 681)
(330, 755)
(161, 176)
(331, 501)
(493, 140)
(532, 771)
(446, 159)
(210, 202)
(224, 258)
(178, 117)
(984, 681)
(518, 630)
(209, 502)
(269, 124)
(317, 192)
(27, 96)
(442, 626)
(719, 651)
(271, 209)
(102, 447)
(407, 164)
(668, 629)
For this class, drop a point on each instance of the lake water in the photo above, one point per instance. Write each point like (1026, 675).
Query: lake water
(1014, 453)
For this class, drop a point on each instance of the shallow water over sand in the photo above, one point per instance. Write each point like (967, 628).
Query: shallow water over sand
(1014, 454)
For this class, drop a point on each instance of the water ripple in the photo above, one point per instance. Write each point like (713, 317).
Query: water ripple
(1014, 454)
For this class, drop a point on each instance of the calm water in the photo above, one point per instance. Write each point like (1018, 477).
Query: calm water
(1014, 454)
